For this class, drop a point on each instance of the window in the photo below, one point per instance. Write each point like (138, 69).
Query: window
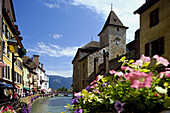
(3, 47)
(8, 72)
(83, 83)
(15, 77)
(3, 26)
(154, 17)
(117, 29)
(5, 72)
(117, 42)
(6, 31)
(83, 65)
(18, 78)
(155, 47)
(8, 51)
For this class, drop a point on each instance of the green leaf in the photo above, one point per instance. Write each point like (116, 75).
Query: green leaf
(104, 80)
(84, 91)
(161, 90)
(145, 64)
(144, 70)
(122, 59)
(167, 102)
(131, 61)
(111, 101)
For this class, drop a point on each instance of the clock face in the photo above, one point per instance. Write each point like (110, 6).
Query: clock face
(117, 42)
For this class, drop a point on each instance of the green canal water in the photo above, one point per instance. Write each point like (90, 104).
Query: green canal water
(51, 105)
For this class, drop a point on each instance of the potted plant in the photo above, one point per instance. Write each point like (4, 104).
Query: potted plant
(137, 87)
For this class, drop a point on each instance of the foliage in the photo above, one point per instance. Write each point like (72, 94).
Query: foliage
(62, 89)
(25, 103)
(137, 87)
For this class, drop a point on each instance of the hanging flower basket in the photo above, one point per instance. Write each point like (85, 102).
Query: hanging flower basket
(137, 87)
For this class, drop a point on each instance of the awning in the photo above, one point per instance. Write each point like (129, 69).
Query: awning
(27, 88)
(6, 85)
(2, 64)
(17, 87)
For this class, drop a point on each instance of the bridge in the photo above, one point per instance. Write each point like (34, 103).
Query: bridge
(60, 93)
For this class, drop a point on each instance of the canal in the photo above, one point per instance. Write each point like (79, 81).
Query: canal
(51, 105)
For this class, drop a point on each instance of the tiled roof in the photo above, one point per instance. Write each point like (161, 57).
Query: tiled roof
(27, 61)
(88, 48)
(112, 20)
(145, 6)
(91, 44)
(131, 45)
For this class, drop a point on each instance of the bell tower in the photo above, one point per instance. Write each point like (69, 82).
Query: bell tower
(113, 35)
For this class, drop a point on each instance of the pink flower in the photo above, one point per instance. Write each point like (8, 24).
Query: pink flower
(6, 109)
(141, 79)
(95, 85)
(112, 71)
(143, 59)
(77, 94)
(127, 75)
(166, 73)
(161, 60)
(120, 74)
(126, 68)
(99, 77)
(93, 82)
(95, 90)
(161, 75)
(167, 69)
(9, 107)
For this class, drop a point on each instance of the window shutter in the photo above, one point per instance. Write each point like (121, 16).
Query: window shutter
(147, 49)
(155, 47)
(8, 72)
(161, 43)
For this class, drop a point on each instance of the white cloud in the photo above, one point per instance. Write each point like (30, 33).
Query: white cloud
(63, 73)
(50, 5)
(56, 36)
(123, 8)
(54, 50)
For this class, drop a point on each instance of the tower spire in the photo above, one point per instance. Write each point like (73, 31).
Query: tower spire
(111, 7)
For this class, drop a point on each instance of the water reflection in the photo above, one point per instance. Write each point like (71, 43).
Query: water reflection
(51, 105)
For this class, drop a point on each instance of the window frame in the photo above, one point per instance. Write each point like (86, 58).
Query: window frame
(154, 17)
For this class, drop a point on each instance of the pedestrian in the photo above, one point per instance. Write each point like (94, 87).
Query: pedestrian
(23, 95)
(26, 94)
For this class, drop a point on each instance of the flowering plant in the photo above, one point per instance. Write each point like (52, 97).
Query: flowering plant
(8, 109)
(137, 87)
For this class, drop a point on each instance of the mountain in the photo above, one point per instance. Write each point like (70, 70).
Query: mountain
(56, 82)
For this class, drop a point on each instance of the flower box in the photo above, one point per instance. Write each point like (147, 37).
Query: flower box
(138, 87)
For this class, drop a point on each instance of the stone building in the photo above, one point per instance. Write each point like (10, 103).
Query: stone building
(154, 34)
(98, 57)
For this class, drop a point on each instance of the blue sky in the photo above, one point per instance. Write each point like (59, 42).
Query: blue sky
(54, 29)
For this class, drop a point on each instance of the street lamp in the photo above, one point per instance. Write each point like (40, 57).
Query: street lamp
(12, 47)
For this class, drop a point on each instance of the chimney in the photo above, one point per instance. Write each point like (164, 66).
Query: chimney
(137, 44)
(95, 65)
(41, 66)
(36, 59)
(106, 62)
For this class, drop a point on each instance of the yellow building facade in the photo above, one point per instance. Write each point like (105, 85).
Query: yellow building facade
(7, 56)
(155, 28)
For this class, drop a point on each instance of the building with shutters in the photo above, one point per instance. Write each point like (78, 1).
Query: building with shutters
(9, 31)
(154, 33)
